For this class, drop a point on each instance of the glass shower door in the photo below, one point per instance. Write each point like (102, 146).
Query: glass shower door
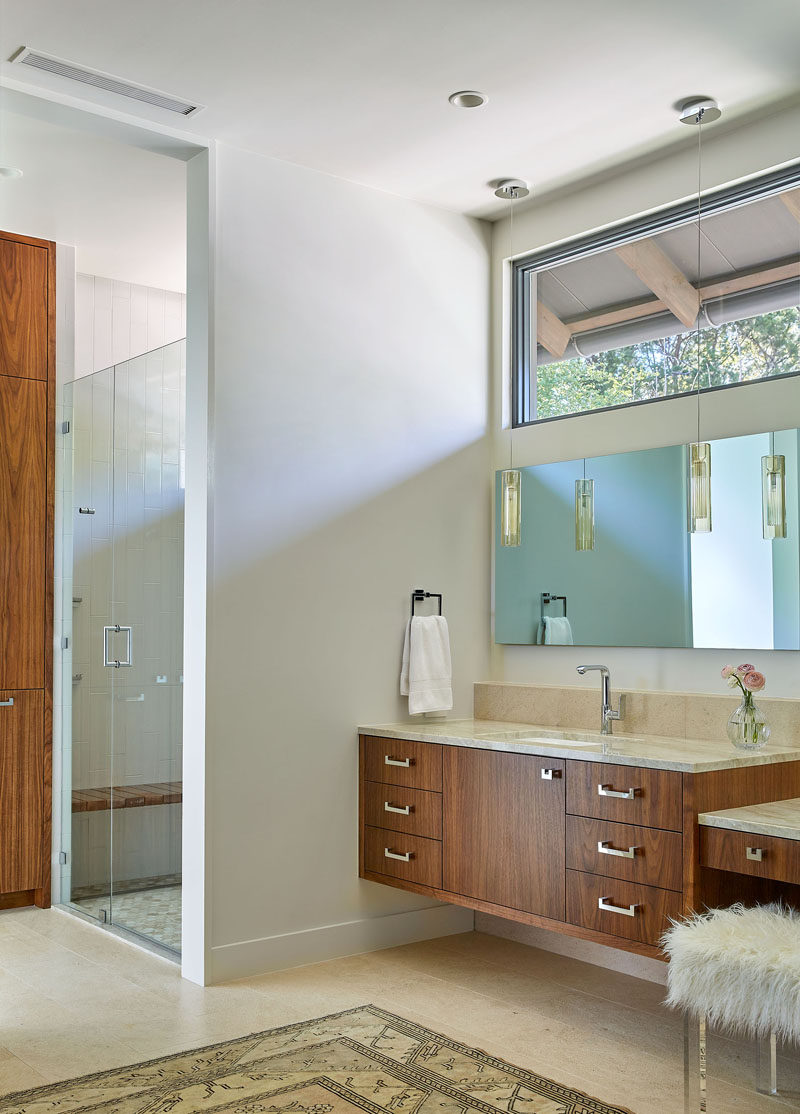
(126, 859)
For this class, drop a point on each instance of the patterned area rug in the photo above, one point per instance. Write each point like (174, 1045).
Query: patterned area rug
(363, 1059)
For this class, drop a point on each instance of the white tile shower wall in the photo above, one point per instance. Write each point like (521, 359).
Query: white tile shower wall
(127, 450)
(116, 321)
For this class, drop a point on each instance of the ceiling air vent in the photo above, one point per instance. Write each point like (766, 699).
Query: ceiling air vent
(27, 57)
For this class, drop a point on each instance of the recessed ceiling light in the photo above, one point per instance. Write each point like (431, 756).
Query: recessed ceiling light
(10, 172)
(468, 98)
(510, 189)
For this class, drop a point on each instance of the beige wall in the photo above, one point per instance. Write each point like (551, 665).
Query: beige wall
(728, 156)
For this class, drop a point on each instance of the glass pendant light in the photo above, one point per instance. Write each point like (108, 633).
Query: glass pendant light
(699, 485)
(773, 494)
(511, 479)
(510, 507)
(584, 513)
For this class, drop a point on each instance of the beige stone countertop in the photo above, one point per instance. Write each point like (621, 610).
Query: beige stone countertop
(659, 752)
(776, 818)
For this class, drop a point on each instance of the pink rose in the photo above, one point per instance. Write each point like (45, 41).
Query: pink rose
(742, 669)
(728, 670)
(754, 681)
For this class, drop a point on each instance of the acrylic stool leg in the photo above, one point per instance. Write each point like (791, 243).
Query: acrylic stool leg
(695, 1076)
(767, 1065)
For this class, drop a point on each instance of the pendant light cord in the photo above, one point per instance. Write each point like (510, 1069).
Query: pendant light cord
(511, 260)
(699, 214)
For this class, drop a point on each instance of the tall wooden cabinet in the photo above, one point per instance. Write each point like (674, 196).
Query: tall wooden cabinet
(27, 396)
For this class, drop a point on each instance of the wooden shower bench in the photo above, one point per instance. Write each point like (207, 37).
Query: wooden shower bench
(127, 796)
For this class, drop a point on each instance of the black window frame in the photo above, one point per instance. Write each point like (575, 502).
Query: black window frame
(523, 387)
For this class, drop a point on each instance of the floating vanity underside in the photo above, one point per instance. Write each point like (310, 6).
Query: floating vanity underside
(542, 827)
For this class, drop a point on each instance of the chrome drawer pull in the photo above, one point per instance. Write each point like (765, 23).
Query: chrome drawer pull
(755, 853)
(605, 848)
(406, 858)
(396, 761)
(605, 903)
(623, 794)
(404, 811)
(7, 703)
(548, 775)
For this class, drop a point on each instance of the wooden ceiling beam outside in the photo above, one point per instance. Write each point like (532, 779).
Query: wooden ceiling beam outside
(791, 200)
(551, 331)
(657, 271)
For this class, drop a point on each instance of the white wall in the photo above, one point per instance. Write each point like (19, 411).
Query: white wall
(727, 156)
(350, 465)
(123, 208)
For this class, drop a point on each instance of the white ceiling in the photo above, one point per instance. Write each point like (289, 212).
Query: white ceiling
(358, 88)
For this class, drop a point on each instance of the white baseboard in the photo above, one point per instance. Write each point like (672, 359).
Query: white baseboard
(315, 945)
(613, 959)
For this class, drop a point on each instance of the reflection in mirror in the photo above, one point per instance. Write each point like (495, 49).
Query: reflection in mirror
(648, 581)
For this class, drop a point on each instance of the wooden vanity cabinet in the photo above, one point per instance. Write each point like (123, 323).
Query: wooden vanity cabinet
(600, 851)
(503, 829)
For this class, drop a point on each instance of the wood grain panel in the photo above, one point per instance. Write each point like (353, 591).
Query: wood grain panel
(424, 769)
(23, 532)
(23, 309)
(654, 907)
(424, 809)
(21, 790)
(657, 859)
(723, 849)
(656, 803)
(503, 831)
(425, 856)
(746, 785)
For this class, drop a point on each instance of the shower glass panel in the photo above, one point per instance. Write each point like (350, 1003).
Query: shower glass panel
(125, 508)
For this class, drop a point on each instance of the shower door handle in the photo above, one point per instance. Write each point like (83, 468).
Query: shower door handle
(117, 663)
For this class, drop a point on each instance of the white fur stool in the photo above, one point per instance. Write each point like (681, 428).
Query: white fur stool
(738, 969)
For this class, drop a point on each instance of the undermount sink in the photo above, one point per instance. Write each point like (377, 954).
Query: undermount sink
(582, 740)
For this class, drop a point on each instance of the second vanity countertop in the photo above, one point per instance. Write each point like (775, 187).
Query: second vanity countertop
(775, 818)
(658, 752)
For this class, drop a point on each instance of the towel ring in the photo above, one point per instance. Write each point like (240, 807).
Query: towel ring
(418, 595)
(548, 597)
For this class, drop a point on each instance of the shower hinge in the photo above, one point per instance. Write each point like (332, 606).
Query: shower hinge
(65, 642)
(62, 857)
(102, 916)
(65, 427)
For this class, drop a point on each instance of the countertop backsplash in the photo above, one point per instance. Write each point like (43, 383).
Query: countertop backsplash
(681, 715)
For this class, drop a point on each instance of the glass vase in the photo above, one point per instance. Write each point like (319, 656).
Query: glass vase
(748, 728)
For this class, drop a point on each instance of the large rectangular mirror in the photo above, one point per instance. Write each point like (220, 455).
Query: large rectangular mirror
(648, 581)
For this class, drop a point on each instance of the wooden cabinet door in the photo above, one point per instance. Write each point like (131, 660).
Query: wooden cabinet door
(23, 309)
(504, 829)
(21, 790)
(23, 532)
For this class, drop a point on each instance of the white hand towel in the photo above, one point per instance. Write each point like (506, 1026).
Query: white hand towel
(557, 632)
(426, 673)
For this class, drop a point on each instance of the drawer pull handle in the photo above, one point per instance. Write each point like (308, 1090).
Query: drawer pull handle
(626, 911)
(405, 858)
(605, 848)
(404, 811)
(755, 853)
(623, 794)
(7, 703)
(388, 761)
(548, 775)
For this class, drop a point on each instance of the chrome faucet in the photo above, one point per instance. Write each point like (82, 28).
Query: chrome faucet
(607, 713)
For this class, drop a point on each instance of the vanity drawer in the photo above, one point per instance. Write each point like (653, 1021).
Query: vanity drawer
(416, 811)
(403, 762)
(631, 794)
(424, 862)
(650, 856)
(724, 849)
(638, 912)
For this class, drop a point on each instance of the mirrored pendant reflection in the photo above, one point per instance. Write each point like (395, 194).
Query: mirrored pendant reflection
(773, 496)
(700, 488)
(510, 507)
(584, 514)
